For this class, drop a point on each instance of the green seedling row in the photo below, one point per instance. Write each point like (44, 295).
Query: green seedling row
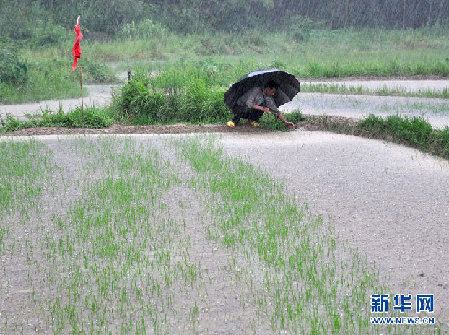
(302, 276)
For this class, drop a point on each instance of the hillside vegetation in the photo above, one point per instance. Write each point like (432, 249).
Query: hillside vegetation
(312, 39)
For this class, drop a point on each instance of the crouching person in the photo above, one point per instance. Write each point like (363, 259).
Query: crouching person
(255, 102)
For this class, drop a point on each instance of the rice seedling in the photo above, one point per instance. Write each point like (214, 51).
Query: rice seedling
(119, 252)
(301, 276)
(113, 260)
(383, 91)
(420, 107)
(24, 168)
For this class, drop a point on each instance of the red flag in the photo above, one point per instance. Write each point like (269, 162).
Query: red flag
(76, 50)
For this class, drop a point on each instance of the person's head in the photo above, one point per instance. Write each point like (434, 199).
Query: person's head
(271, 87)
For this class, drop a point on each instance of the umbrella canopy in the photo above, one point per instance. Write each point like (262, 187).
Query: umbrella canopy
(287, 83)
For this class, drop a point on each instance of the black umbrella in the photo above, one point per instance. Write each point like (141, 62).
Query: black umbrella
(287, 83)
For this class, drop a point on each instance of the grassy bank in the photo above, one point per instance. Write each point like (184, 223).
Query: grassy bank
(191, 92)
(413, 132)
(93, 118)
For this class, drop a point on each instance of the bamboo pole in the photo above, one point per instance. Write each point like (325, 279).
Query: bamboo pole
(333, 15)
(82, 96)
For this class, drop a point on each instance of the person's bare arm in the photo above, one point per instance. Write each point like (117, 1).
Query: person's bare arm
(272, 106)
(287, 123)
(265, 109)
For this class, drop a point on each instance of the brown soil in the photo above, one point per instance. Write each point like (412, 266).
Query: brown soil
(155, 129)
(310, 123)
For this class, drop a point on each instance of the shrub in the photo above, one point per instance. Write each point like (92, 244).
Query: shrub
(195, 102)
(48, 34)
(182, 93)
(93, 118)
(12, 69)
(96, 72)
(145, 29)
(300, 28)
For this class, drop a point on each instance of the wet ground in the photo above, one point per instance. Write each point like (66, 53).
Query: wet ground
(435, 111)
(388, 201)
(405, 85)
(98, 95)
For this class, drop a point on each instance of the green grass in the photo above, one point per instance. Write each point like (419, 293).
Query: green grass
(324, 54)
(51, 77)
(428, 107)
(93, 118)
(413, 132)
(169, 99)
(46, 79)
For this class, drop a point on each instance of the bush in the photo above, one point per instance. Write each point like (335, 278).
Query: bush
(48, 34)
(96, 72)
(145, 29)
(189, 95)
(12, 70)
(195, 102)
(93, 118)
(300, 28)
